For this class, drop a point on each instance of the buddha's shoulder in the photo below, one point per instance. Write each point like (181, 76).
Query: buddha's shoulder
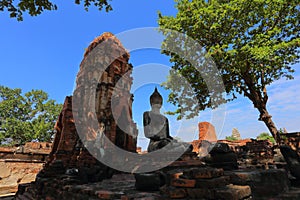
(147, 113)
(153, 114)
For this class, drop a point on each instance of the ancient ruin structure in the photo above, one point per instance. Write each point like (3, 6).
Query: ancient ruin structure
(105, 68)
(206, 132)
(20, 165)
(292, 140)
(101, 105)
(236, 134)
(112, 107)
(66, 137)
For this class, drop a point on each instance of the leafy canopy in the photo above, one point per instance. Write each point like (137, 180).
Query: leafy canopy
(36, 7)
(27, 117)
(231, 138)
(265, 136)
(252, 42)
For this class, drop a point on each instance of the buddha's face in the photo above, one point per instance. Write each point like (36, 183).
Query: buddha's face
(156, 103)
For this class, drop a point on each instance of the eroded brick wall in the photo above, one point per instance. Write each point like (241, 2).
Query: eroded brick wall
(21, 164)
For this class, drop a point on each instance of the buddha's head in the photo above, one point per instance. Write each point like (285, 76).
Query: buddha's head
(156, 99)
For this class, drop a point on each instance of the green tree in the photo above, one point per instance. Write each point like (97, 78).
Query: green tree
(36, 7)
(253, 44)
(27, 117)
(265, 136)
(231, 138)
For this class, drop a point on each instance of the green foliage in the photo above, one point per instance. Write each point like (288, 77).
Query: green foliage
(36, 7)
(27, 117)
(253, 43)
(265, 136)
(231, 138)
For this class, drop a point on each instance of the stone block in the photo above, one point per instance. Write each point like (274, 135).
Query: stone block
(149, 181)
(200, 193)
(28, 178)
(212, 183)
(185, 183)
(233, 192)
(177, 193)
(263, 183)
(220, 147)
(203, 173)
(225, 160)
(244, 177)
(5, 171)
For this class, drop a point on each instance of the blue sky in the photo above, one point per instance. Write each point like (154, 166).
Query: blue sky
(44, 52)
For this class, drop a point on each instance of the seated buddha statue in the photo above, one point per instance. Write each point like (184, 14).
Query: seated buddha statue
(156, 127)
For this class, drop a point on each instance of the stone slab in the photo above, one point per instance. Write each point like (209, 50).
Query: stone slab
(212, 183)
(233, 192)
(203, 173)
(185, 183)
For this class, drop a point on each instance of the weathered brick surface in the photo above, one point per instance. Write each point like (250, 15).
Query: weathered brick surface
(203, 183)
(177, 193)
(212, 183)
(262, 182)
(292, 140)
(71, 136)
(206, 132)
(204, 173)
(233, 192)
(112, 102)
(200, 193)
(185, 183)
(19, 165)
(105, 62)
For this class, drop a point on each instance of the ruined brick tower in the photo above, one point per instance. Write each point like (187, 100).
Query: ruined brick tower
(107, 65)
(102, 95)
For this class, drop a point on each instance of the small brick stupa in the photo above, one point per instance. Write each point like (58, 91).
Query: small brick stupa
(206, 132)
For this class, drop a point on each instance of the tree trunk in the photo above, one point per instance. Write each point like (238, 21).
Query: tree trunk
(267, 119)
(260, 102)
(291, 157)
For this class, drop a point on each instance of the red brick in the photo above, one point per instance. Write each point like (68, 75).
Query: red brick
(104, 194)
